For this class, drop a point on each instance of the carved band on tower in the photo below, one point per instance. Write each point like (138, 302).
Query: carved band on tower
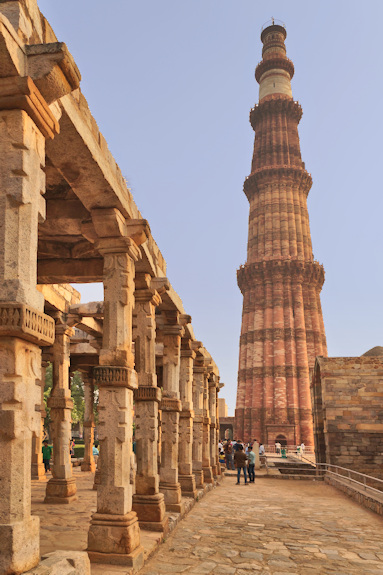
(282, 324)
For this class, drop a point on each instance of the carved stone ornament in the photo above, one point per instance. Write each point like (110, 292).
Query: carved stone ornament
(115, 376)
(147, 393)
(170, 404)
(20, 320)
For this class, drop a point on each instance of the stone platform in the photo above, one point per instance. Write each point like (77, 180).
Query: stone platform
(65, 527)
(269, 527)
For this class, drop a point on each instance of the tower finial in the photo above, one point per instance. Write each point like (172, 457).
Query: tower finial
(272, 19)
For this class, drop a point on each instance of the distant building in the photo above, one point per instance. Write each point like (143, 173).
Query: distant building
(223, 410)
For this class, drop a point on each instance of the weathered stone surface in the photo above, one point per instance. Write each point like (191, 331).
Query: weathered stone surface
(347, 397)
(63, 563)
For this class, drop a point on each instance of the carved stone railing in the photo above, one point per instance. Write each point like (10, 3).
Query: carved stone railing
(147, 393)
(20, 320)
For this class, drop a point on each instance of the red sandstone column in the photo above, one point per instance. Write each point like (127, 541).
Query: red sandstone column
(276, 348)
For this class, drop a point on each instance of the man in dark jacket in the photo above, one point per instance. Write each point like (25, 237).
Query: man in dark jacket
(240, 461)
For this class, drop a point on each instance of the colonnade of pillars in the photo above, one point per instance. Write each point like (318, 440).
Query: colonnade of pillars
(176, 453)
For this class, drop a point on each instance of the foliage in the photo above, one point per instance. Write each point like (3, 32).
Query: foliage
(77, 391)
(47, 391)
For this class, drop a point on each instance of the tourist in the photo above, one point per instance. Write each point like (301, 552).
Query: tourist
(303, 447)
(261, 449)
(228, 449)
(71, 447)
(278, 447)
(95, 452)
(251, 458)
(47, 454)
(240, 460)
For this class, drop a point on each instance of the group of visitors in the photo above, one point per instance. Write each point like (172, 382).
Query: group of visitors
(47, 451)
(240, 456)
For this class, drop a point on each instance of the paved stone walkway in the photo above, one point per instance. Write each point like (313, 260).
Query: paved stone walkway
(273, 527)
(270, 527)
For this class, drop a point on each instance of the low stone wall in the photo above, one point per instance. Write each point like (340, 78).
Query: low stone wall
(363, 498)
(347, 397)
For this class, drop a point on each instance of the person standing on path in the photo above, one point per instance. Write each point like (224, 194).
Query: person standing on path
(47, 454)
(228, 449)
(240, 461)
(251, 458)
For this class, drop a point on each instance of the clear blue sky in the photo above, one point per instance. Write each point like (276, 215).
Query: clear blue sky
(171, 84)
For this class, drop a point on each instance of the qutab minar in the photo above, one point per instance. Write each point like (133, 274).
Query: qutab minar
(282, 323)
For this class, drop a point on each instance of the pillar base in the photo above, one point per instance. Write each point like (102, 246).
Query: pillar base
(88, 466)
(37, 471)
(61, 491)
(20, 545)
(208, 475)
(151, 510)
(188, 485)
(199, 479)
(171, 492)
(115, 539)
(134, 559)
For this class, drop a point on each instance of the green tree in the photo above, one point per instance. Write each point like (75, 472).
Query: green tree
(47, 391)
(77, 391)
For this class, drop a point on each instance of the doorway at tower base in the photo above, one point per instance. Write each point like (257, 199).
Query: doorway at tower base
(256, 424)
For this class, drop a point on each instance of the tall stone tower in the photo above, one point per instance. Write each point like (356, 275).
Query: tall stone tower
(282, 324)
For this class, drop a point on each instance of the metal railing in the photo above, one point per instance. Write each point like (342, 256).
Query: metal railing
(345, 473)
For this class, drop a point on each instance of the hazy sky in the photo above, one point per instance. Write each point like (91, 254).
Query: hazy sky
(171, 84)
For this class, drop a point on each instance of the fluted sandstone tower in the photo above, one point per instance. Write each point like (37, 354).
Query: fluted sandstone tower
(282, 324)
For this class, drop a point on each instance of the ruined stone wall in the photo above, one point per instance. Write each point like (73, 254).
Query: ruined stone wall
(347, 398)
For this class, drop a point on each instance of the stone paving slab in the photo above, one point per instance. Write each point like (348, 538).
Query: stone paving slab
(268, 527)
(274, 528)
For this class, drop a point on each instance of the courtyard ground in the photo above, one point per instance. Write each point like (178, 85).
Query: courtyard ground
(269, 527)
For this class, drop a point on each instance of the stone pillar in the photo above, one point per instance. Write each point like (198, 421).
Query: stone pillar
(88, 464)
(206, 463)
(23, 326)
(114, 533)
(171, 407)
(148, 502)
(198, 384)
(213, 425)
(37, 469)
(185, 452)
(218, 438)
(61, 488)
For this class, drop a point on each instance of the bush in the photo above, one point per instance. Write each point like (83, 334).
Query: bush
(79, 451)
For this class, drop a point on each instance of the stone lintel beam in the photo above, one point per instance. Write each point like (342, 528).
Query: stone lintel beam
(50, 271)
(90, 325)
(92, 309)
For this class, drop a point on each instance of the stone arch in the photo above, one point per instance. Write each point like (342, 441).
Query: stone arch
(282, 439)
